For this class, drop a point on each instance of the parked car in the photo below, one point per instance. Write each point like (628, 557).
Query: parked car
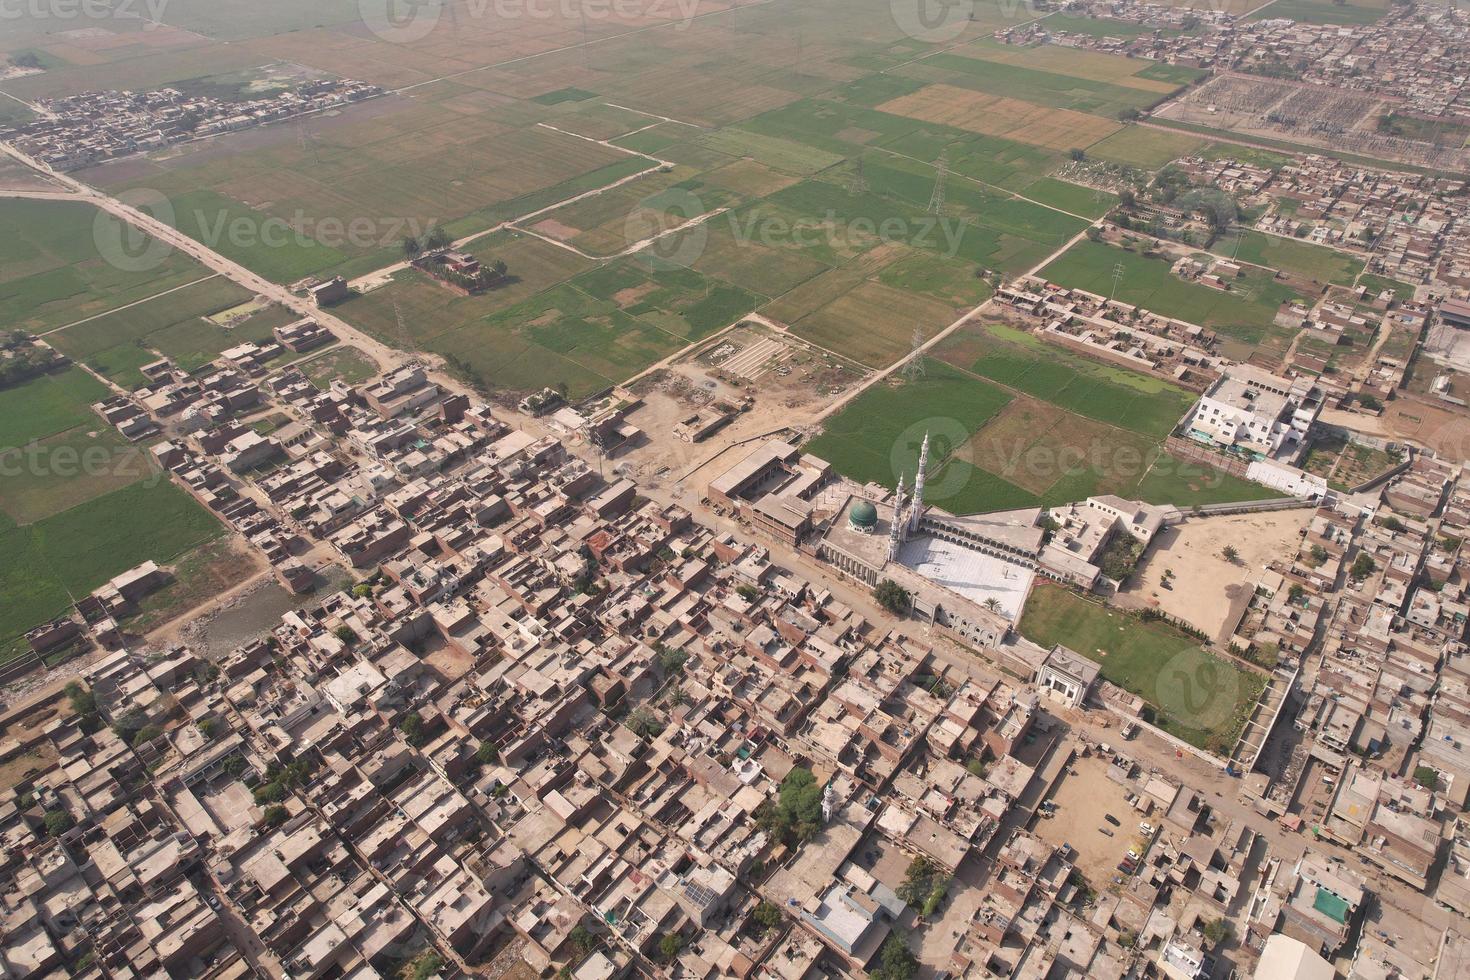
(1111, 819)
(1146, 828)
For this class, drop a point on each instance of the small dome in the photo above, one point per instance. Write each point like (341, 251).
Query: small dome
(863, 514)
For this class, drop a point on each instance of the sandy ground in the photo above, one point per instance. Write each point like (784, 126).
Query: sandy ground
(1205, 584)
(1083, 797)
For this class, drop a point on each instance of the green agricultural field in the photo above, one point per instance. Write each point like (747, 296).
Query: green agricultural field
(53, 271)
(1100, 27)
(1245, 313)
(78, 504)
(92, 542)
(1072, 198)
(876, 437)
(1292, 257)
(1144, 147)
(1326, 12)
(1052, 89)
(1116, 396)
(1193, 694)
(595, 330)
(48, 405)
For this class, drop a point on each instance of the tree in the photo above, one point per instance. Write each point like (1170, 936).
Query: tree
(1230, 554)
(644, 723)
(412, 728)
(1077, 154)
(1295, 593)
(412, 248)
(1218, 931)
(993, 604)
(582, 940)
(1319, 554)
(1427, 777)
(768, 914)
(83, 701)
(58, 822)
(892, 596)
(896, 960)
(1392, 523)
(670, 946)
(127, 725)
(917, 881)
(274, 815)
(438, 238)
(1129, 114)
(425, 965)
(345, 633)
(210, 727)
(486, 754)
(1363, 566)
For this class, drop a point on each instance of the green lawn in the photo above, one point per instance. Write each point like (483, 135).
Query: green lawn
(1195, 695)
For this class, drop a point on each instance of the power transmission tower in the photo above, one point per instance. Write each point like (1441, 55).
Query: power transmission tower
(1117, 277)
(941, 171)
(913, 368)
(859, 183)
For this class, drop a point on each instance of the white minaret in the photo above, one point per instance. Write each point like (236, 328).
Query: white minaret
(896, 526)
(916, 512)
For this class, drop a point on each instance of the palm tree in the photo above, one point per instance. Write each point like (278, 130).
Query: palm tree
(993, 604)
(1230, 554)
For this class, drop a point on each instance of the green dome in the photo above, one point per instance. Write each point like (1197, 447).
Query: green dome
(863, 514)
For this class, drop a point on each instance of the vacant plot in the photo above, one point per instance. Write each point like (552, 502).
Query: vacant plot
(1204, 587)
(1004, 71)
(1193, 694)
(346, 364)
(995, 115)
(1082, 798)
(1144, 147)
(1246, 312)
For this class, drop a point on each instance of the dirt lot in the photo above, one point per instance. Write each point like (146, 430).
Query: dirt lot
(1205, 585)
(1083, 797)
(788, 382)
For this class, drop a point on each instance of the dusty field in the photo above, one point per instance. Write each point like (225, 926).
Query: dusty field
(1084, 796)
(993, 115)
(789, 383)
(1205, 585)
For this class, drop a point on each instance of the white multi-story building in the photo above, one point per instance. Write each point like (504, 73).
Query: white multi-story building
(1256, 414)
